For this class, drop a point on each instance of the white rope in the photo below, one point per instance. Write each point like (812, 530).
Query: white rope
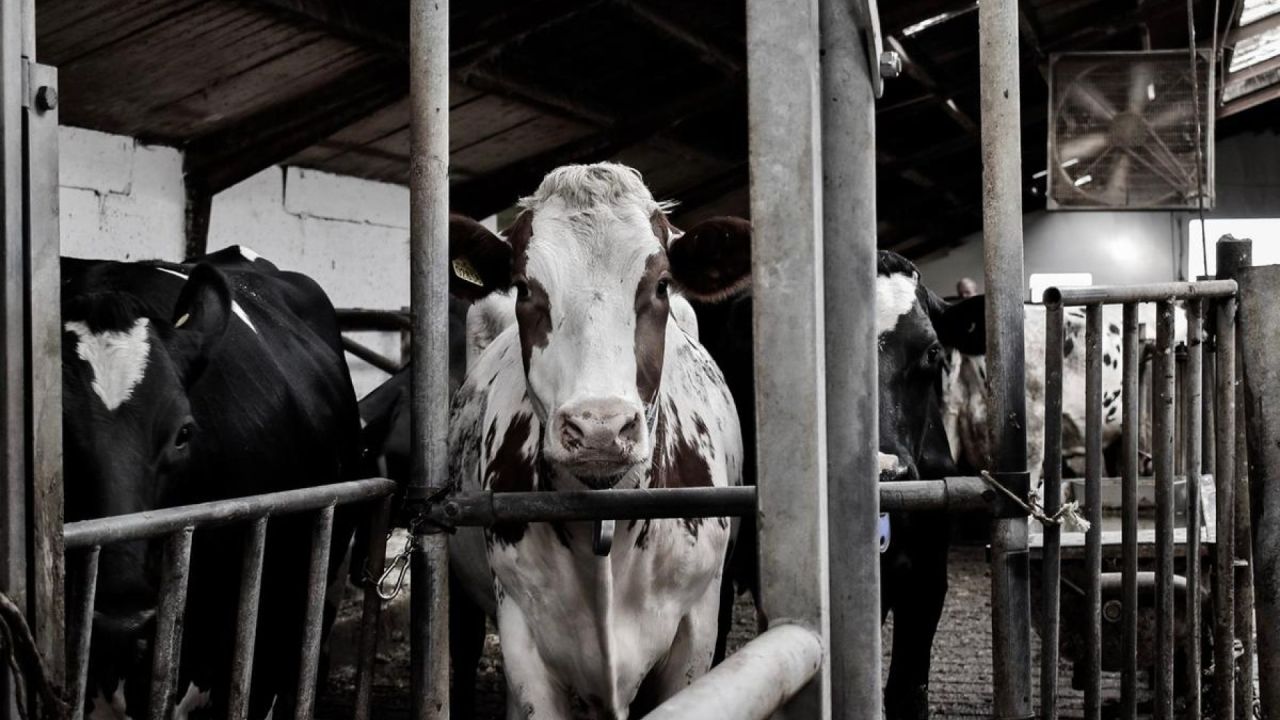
(1068, 516)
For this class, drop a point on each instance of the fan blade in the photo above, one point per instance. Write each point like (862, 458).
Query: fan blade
(1171, 116)
(1118, 181)
(1141, 86)
(1082, 147)
(1088, 96)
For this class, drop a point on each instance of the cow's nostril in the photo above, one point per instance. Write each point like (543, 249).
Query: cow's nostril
(570, 432)
(631, 430)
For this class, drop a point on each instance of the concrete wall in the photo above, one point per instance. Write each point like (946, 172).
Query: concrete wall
(1128, 247)
(123, 200)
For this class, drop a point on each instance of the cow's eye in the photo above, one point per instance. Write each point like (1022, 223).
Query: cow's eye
(522, 289)
(933, 356)
(663, 285)
(183, 437)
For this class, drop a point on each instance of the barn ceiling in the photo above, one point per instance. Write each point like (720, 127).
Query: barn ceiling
(658, 84)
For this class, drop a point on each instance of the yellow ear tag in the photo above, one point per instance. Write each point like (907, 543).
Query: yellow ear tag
(463, 269)
(182, 320)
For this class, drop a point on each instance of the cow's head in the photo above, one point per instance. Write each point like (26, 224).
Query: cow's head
(593, 262)
(128, 432)
(910, 318)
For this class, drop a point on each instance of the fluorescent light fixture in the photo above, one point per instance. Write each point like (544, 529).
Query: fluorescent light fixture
(1069, 163)
(938, 19)
(1083, 180)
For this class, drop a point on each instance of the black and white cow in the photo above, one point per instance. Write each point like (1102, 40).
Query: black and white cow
(910, 319)
(594, 388)
(190, 383)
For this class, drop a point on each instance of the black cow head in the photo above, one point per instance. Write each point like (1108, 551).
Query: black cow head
(128, 432)
(912, 325)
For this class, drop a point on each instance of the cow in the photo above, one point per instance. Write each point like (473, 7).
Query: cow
(592, 389)
(186, 383)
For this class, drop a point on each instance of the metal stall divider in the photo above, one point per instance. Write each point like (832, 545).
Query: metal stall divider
(1168, 387)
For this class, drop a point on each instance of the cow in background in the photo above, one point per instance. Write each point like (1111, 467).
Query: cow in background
(185, 384)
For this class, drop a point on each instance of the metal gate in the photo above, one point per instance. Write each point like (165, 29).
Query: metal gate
(1185, 398)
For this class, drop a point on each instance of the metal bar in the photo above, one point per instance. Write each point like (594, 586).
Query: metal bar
(373, 357)
(783, 110)
(366, 662)
(1051, 563)
(1131, 396)
(81, 629)
(255, 541)
(167, 647)
(753, 682)
(1154, 292)
(999, 62)
(1259, 335)
(317, 583)
(429, 297)
(44, 366)
(1224, 478)
(1093, 512)
(361, 319)
(1192, 468)
(1162, 431)
(154, 523)
(849, 290)
(1233, 256)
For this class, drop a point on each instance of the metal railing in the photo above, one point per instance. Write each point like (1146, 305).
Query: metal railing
(1170, 385)
(176, 526)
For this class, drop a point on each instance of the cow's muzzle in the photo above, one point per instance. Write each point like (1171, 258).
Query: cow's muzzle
(599, 440)
(893, 468)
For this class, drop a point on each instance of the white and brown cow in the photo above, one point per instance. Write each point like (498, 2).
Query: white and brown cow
(593, 388)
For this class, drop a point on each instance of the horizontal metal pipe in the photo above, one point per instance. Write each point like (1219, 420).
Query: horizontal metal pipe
(360, 319)
(1145, 581)
(373, 357)
(1154, 292)
(486, 508)
(154, 523)
(753, 682)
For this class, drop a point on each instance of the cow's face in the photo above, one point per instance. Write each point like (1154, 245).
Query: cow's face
(128, 431)
(913, 443)
(593, 262)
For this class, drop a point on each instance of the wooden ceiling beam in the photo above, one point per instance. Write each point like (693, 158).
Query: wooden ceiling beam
(229, 155)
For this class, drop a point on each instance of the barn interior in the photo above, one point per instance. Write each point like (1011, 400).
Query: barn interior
(284, 125)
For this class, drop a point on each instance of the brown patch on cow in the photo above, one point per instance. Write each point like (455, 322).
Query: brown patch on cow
(510, 470)
(661, 227)
(652, 310)
(533, 306)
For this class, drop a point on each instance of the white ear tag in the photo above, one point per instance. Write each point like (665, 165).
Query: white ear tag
(182, 320)
(884, 531)
(463, 269)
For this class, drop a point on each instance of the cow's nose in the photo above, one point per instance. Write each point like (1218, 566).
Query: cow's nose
(893, 468)
(599, 425)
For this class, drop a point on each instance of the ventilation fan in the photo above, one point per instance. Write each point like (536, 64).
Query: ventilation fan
(1122, 131)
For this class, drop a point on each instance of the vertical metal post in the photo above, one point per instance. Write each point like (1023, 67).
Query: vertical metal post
(1093, 512)
(14, 540)
(44, 366)
(1233, 256)
(366, 662)
(1051, 565)
(849, 213)
(1192, 467)
(787, 254)
(1259, 336)
(1002, 246)
(317, 576)
(1131, 396)
(167, 650)
(255, 542)
(429, 297)
(1162, 432)
(82, 629)
(1224, 479)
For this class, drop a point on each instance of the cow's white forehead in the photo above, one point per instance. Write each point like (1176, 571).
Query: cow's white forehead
(895, 297)
(117, 359)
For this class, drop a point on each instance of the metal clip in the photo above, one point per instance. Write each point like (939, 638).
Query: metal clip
(402, 561)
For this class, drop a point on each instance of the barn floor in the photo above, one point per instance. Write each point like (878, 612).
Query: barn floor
(960, 685)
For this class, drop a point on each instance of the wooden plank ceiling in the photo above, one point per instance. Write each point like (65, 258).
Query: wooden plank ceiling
(658, 84)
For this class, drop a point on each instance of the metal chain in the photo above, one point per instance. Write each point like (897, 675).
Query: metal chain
(1068, 516)
(18, 649)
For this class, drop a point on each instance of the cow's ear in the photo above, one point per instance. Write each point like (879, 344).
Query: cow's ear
(712, 260)
(480, 260)
(200, 320)
(963, 326)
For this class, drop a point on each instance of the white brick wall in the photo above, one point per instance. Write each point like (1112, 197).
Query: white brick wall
(122, 200)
